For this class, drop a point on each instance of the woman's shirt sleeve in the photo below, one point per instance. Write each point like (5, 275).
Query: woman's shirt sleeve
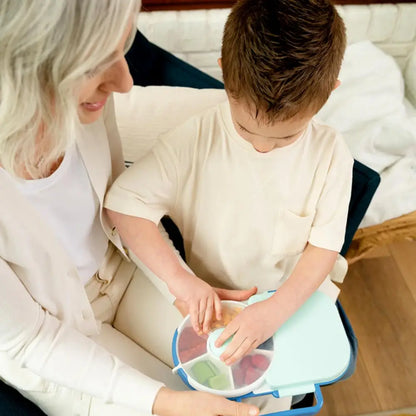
(36, 340)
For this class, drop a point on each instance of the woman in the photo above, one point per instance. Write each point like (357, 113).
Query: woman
(63, 270)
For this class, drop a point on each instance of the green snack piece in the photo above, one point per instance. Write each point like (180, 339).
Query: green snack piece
(203, 370)
(219, 382)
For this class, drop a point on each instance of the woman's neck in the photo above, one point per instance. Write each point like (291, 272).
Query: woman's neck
(24, 174)
(51, 169)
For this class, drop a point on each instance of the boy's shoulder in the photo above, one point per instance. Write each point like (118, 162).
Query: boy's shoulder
(320, 127)
(324, 136)
(325, 133)
(192, 137)
(196, 125)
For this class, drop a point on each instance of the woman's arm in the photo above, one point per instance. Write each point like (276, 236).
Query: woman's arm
(57, 352)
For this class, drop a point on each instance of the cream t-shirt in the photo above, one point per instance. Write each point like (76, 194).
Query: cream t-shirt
(67, 202)
(245, 216)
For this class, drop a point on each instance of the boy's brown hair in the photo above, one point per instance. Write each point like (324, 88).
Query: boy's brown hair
(282, 57)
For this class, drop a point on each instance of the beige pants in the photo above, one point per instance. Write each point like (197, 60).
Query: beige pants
(138, 326)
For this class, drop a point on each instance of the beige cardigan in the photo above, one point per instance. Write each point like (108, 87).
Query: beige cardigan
(45, 314)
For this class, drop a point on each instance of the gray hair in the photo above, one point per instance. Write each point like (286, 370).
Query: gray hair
(47, 48)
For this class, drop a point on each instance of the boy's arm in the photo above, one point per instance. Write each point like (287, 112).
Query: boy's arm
(261, 320)
(144, 239)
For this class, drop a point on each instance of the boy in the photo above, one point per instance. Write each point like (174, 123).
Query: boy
(258, 189)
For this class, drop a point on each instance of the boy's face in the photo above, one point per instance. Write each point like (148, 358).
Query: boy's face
(265, 137)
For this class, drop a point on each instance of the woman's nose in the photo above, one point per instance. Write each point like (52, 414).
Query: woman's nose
(117, 78)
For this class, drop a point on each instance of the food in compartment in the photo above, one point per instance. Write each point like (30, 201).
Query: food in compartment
(205, 372)
(260, 361)
(249, 369)
(229, 312)
(191, 345)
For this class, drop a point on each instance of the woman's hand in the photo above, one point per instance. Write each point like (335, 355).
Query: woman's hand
(190, 403)
(235, 294)
(250, 328)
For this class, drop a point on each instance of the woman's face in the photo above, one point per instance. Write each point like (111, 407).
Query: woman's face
(100, 83)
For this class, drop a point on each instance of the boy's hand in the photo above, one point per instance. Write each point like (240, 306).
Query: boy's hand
(235, 294)
(251, 327)
(201, 300)
(224, 294)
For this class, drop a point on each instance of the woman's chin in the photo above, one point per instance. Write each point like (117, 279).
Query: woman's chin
(88, 117)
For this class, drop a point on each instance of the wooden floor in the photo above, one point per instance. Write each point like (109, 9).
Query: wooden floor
(379, 297)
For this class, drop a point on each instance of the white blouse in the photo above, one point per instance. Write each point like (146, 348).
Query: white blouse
(67, 202)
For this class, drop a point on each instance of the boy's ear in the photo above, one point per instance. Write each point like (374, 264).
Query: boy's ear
(219, 62)
(337, 84)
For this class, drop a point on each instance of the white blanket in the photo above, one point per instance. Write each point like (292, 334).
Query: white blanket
(379, 126)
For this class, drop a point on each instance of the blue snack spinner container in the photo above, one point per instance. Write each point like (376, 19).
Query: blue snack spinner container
(311, 349)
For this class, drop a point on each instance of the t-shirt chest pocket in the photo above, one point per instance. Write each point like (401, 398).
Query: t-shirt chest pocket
(291, 233)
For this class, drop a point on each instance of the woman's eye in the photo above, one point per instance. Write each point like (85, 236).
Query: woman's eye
(92, 73)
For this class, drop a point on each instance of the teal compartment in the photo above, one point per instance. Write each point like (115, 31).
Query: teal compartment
(310, 348)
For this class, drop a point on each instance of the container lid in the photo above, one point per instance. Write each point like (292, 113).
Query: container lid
(311, 348)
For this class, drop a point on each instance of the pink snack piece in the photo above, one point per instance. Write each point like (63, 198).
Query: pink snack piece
(260, 361)
(245, 362)
(193, 352)
(190, 345)
(189, 338)
(249, 369)
(252, 374)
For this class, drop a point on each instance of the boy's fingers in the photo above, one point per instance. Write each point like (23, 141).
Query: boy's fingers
(232, 348)
(236, 354)
(227, 333)
(202, 311)
(218, 308)
(194, 314)
(208, 316)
